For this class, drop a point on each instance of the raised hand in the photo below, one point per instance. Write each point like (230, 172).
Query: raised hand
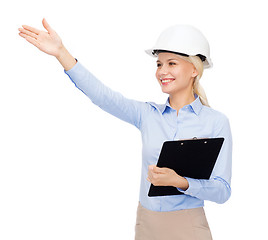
(48, 42)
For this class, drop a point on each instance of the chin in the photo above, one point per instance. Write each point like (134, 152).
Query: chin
(167, 91)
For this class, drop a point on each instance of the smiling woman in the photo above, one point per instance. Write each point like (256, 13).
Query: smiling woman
(182, 53)
(179, 61)
(176, 76)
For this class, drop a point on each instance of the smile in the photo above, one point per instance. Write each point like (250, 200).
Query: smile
(165, 81)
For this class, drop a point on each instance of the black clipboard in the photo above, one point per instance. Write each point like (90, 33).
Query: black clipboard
(194, 158)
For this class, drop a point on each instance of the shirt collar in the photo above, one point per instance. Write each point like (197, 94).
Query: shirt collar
(196, 105)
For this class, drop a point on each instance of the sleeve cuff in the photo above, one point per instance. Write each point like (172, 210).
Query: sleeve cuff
(73, 69)
(194, 187)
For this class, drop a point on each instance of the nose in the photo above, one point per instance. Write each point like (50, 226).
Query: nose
(163, 70)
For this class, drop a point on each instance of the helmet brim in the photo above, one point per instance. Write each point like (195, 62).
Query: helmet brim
(207, 63)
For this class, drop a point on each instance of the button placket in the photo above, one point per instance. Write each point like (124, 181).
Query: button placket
(179, 124)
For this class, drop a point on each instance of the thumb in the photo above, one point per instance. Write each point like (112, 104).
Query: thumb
(46, 25)
(158, 170)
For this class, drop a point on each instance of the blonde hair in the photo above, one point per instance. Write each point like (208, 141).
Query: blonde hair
(197, 88)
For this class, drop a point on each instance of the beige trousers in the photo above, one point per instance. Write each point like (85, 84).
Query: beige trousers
(188, 224)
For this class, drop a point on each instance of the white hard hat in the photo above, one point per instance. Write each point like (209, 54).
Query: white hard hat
(185, 40)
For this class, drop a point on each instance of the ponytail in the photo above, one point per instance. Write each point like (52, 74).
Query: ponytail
(197, 88)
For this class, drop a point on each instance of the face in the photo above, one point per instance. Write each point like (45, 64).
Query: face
(174, 74)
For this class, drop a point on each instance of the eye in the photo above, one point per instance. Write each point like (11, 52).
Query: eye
(172, 63)
(158, 65)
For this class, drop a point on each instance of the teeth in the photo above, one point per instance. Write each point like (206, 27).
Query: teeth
(166, 81)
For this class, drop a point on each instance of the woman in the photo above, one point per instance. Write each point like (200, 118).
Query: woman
(182, 52)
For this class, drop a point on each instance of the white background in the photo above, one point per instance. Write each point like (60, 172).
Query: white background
(69, 170)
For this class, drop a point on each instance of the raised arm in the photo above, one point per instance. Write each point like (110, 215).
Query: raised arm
(48, 42)
(110, 101)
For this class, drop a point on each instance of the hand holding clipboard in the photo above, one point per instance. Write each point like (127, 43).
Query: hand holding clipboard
(193, 158)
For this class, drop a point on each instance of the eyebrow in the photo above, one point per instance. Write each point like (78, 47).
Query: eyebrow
(170, 59)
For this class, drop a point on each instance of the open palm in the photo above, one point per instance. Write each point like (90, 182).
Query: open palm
(48, 42)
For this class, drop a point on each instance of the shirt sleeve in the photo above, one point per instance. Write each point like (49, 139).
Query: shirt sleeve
(110, 101)
(218, 187)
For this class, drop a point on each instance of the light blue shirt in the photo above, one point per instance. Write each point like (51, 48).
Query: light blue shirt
(158, 123)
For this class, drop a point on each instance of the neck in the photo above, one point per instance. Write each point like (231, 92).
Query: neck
(178, 101)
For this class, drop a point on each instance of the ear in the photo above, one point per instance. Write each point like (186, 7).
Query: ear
(195, 73)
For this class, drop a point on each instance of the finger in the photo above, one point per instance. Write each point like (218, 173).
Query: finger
(30, 39)
(150, 174)
(31, 34)
(23, 35)
(153, 175)
(46, 25)
(151, 167)
(31, 29)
